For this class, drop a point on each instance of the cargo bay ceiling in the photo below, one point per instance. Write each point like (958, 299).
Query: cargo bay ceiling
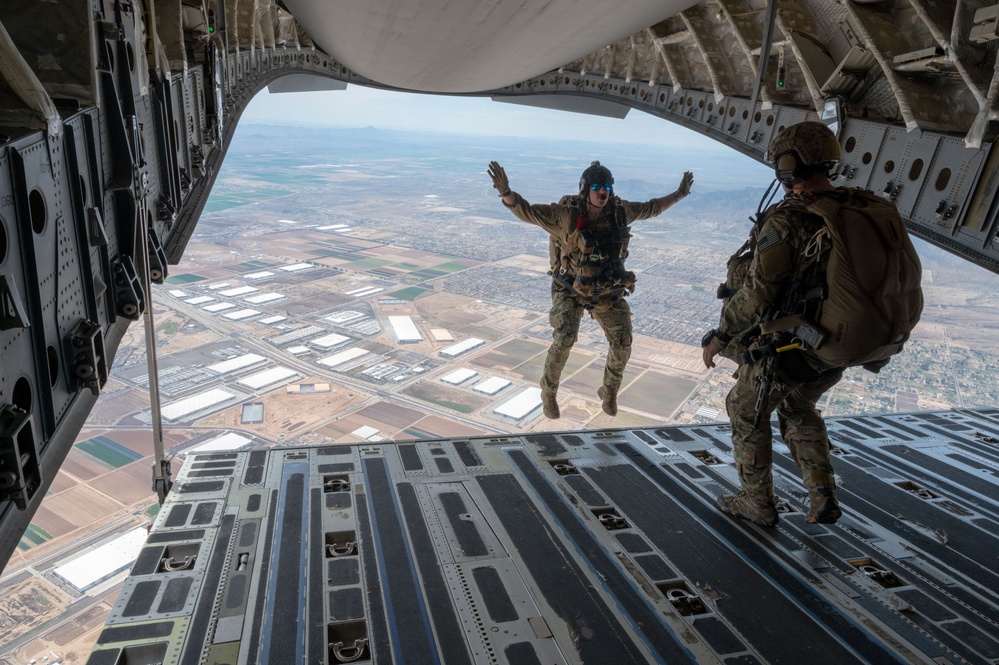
(115, 116)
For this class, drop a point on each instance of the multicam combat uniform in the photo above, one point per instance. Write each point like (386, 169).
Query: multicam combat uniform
(801, 378)
(588, 277)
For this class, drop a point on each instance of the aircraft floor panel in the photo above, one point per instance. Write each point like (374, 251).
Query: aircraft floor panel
(582, 547)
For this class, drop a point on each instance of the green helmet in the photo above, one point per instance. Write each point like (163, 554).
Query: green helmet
(595, 174)
(811, 143)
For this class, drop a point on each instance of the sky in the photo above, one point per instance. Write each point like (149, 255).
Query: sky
(358, 106)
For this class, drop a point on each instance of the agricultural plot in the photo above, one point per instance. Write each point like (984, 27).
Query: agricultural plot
(109, 452)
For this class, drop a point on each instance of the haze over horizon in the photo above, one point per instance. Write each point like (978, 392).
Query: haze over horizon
(358, 107)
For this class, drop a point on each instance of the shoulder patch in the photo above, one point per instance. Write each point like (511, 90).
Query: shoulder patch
(768, 240)
(773, 253)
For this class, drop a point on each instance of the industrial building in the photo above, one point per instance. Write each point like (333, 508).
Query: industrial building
(329, 341)
(491, 386)
(297, 267)
(521, 405)
(405, 330)
(104, 562)
(238, 291)
(237, 363)
(191, 405)
(267, 377)
(242, 314)
(459, 376)
(343, 357)
(461, 347)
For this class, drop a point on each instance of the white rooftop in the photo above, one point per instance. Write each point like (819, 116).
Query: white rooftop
(522, 404)
(492, 385)
(239, 362)
(365, 432)
(459, 376)
(177, 293)
(199, 402)
(331, 227)
(329, 341)
(103, 562)
(405, 329)
(238, 291)
(295, 267)
(259, 275)
(343, 357)
(220, 285)
(230, 441)
(218, 307)
(286, 221)
(462, 346)
(272, 319)
(241, 314)
(199, 300)
(267, 377)
(297, 350)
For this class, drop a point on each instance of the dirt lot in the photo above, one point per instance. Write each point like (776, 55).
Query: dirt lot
(656, 394)
(289, 413)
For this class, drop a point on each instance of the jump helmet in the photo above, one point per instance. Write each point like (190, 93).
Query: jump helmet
(800, 150)
(595, 174)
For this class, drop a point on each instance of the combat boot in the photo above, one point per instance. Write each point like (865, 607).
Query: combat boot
(609, 398)
(758, 511)
(824, 509)
(549, 403)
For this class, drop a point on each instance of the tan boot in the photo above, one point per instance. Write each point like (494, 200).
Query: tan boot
(824, 509)
(743, 506)
(549, 402)
(609, 398)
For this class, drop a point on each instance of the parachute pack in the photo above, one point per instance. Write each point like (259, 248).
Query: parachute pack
(857, 285)
(874, 295)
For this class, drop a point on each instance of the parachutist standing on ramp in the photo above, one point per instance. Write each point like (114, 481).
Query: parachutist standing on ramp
(590, 233)
(833, 281)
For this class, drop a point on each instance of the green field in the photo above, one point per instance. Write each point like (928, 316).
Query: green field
(251, 266)
(109, 452)
(427, 273)
(418, 434)
(219, 202)
(37, 535)
(186, 278)
(411, 293)
(153, 510)
(365, 264)
(169, 328)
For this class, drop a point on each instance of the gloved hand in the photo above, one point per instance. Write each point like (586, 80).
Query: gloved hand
(500, 181)
(685, 183)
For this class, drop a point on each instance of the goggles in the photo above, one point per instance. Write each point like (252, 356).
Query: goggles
(597, 188)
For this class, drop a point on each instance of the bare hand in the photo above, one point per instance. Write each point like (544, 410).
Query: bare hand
(685, 184)
(500, 181)
(709, 352)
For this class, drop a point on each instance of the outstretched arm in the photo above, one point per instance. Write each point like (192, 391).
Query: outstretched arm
(501, 183)
(666, 202)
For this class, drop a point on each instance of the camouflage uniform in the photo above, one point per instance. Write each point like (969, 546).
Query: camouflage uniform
(612, 313)
(801, 378)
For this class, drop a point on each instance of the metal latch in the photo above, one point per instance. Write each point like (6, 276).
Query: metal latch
(348, 654)
(173, 564)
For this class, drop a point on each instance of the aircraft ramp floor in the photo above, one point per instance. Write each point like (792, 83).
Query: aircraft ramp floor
(598, 547)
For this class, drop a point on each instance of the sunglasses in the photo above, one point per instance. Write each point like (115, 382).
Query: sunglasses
(597, 188)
